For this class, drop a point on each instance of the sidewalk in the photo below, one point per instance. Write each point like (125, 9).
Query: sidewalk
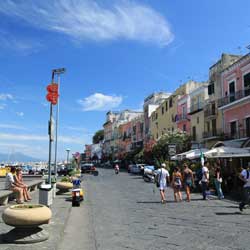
(61, 209)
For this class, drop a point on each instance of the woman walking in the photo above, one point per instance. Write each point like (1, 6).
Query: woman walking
(188, 179)
(218, 181)
(176, 184)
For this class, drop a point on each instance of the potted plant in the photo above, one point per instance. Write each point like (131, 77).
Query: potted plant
(26, 218)
(65, 184)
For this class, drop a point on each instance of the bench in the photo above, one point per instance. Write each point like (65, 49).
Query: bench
(6, 195)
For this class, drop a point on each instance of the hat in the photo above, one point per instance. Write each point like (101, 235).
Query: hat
(163, 165)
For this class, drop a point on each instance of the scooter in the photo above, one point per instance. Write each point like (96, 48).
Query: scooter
(148, 178)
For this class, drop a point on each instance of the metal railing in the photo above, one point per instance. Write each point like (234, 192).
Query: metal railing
(181, 117)
(196, 107)
(212, 133)
(210, 112)
(233, 97)
(241, 133)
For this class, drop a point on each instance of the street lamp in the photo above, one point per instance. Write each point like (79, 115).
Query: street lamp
(67, 150)
(57, 72)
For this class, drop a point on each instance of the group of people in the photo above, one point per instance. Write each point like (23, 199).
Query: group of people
(178, 179)
(186, 179)
(14, 182)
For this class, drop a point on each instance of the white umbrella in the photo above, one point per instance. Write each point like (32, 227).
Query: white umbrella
(227, 152)
(195, 153)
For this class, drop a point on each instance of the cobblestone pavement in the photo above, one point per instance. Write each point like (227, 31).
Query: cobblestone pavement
(124, 213)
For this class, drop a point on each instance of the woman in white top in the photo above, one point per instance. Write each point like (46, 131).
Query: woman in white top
(11, 185)
(163, 176)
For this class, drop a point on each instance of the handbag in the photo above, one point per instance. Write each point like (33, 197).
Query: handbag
(158, 178)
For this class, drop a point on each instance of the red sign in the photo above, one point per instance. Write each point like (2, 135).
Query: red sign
(52, 95)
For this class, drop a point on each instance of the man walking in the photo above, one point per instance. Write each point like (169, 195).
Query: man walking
(205, 180)
(163, 178)
(245, 177)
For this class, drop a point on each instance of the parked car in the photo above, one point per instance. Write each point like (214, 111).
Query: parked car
(135, 169)
(88, 168)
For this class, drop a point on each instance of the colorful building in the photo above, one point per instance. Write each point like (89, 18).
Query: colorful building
(213, 129)
(235, 101)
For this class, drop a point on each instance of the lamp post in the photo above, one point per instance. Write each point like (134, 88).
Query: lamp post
(67, 150)
(57, 72)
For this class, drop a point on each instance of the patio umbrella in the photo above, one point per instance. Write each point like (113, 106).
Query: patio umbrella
(195, 153)
(227, 152)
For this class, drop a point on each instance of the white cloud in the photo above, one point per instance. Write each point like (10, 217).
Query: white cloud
(2, 106)
(5, 97)
(100, 102)
(88, 19)
(11, 126)
(21, 114)
(30, 137)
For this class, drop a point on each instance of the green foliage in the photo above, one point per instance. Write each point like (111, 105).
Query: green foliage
(179, 138)
(98, 136)
(66, 179)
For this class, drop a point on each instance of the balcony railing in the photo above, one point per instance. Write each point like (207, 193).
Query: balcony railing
(213, 133)
(210, 112)
(196, 107)
(241, 133)
(181, 117)
(233, 97)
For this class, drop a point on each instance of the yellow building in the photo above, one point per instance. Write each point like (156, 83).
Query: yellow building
(163, 119)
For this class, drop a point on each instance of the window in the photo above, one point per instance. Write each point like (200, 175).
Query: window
(233, 129)
(248, 126)
(198, 119)
(247, 84)
(211, 89)
(231, 91)
(166, 106)
(162, 110)
(213, 108)
(214, 131)
(157, 136)
(156, 116)
(134, 130)
(184, 127)
(208, 126)
(194, 133)
(170, 102)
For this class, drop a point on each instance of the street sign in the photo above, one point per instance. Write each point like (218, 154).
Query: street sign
(172, 149)
(51, 129)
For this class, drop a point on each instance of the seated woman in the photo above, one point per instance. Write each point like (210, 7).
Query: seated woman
(11, 185)
(19, 182)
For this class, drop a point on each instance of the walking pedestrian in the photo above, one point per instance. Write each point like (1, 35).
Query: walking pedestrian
(218, 181)
(205, 180)
(163, 179)
(176, 184)
(245, 177)
(11, 185)
(188, 180)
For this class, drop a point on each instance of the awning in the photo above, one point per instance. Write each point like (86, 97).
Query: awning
(227, 152)
(191, 154)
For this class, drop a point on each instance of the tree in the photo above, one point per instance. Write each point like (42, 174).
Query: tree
(99, 136)
(179, 138)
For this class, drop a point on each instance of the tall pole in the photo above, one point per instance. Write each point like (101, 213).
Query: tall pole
(58, 72)
(50, 134)
(67, 155)
(57, 120)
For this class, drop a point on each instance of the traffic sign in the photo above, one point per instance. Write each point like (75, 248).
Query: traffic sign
(172, 149)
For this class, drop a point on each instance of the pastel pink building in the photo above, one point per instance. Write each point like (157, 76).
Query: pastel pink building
(235, 101)
(182, 118)
(125, 142)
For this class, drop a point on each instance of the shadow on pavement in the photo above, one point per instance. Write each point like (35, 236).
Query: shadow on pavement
(228, 213)
(153, 202)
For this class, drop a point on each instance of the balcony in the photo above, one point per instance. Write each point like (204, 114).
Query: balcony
(212, 133)
(242, 133)
(196, 107)
(210, 112)
(181, 118)
(233, 97)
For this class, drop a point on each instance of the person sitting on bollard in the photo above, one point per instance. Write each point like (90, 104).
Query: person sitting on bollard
(19, 183)
(11, 185)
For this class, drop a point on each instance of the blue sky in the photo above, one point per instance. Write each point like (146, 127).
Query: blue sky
(115, 53)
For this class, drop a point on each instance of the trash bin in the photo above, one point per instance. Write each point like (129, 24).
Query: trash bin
(45, 194)
(76, 198)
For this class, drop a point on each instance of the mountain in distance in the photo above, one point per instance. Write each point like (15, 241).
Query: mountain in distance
(17, 157)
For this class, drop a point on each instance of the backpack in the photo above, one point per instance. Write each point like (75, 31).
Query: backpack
(199, 174)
